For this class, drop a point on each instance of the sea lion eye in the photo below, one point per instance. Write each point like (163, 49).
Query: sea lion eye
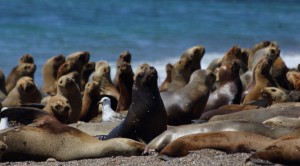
(57, 107)
(273, 90)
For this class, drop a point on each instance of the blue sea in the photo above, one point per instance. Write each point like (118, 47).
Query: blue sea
(154, 31)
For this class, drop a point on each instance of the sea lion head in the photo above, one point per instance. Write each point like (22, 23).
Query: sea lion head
(26, 84)
(27, 58)
(26, 69)
(89, 67)
(233, 53)
(102, 69)
(66, 81)
(81, 57)
(92, 88)
(196, 54)
(58, 60)
(273, 94)
(125, 68)
(60, 107)
(229, 71)
(146, 77)
(67, 67)
(124, 57)
(138, 70)
(203, 77)
(294, 79)
(183, 67)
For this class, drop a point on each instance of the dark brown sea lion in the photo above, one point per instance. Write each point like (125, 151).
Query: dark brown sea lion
(87, 70)
(262, 79)
(125, 86)
(230, 87)
(50, 69)
(278, 72)
(24, 92)
(63, 143)
(146, 116)
(91, 97)
(165, 84)
(294, 79)
(189, 102)
(3, 92)
(181, 73)
(227, 141)
(26, 58)
(139, 69)
(23, 69)
(125, 56)
(67, 87)
(102, 75)
(196, 54)
(59, 107)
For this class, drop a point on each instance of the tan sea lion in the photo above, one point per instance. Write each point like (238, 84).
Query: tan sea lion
(230, 87)
(257, 47)
(214, 64)
(95, 129)
(87, 70)
(181, 73)
(63, 143)
(24, 92)
(3, 92)
(281, 121)
(227, 141)
(67, 87)
(125, 56)
(50, 69)
(146, 116)
(196, 54)
(189, 102)
(139, 69)
(294, 79)
(274, 95)
(91, 97)
(23, 69)
(81, 57)
(165, 84)
(59, 107)
(125, 86)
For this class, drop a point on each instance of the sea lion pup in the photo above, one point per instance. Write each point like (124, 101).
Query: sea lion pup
(125, 86)
(281, 121)
(3, 92)
(262, 79)
(50, 69)
(189, 102)
(139, 69)
(146, 116)
(108, 114)
(102, 75)
(91, 97)
(165, 84)
(24, 92)
(64, 143)
(158, 143)
(87, 70)
(230, 87)
(125, 56)
(181, 73)
(227, 141)
(67, 87)
(294, 79)
(59, 107)
(196, 54)
(274, 95)
(262, 114)
(22, 69)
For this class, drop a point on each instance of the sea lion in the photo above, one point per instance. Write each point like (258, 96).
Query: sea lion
(274, 95)
(59, 107)
(26, 58)
(91, 97)
(50, 69)
(67, 87)
(262, 78)
(3, 92)
(281, 121)
(294, 79)
(102, 75)
(80, 57)
(227, 141)
(260, 115)
(125, 86)
(125, 56)
(181, 73)
(214, 64)
(139, 69)
(158, 143)
(95, 129)
(23, 69)
(64, 143)
(3, 148)
(108, 114)
(230, 87)
(68, 67)
(146, 116)
(196, 54)
(165, 84)
(278, 72)
(87, 70)
(234, 54)
(24, 92)
(257, 47)
(189, 102)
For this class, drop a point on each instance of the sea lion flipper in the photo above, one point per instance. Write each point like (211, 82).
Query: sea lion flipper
(24, 115)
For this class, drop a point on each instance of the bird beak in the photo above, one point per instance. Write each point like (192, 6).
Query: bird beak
(100, 102)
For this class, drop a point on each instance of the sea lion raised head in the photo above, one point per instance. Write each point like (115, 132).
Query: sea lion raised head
(124, 57)
(255, 48)
(102, 69)
(146, 116)
(81, 57)
(68, 67)
(60, 107)
(196, 54)
(27, 58)
(139, 69)
(87, 70)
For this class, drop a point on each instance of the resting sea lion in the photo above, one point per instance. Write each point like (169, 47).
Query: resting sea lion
(196, 54)
(146, 116)
(125, 56)
(63, 143)
(281, 121)
(227, 141)
(24, 92)
(189, 102)
(274, 95)
(165, 84)
(95, 129)
(50, 69)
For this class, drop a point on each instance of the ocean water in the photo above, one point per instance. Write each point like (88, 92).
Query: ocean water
(154, 31)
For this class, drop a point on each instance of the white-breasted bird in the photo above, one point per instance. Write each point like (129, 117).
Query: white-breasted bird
(108, 114)
(4, 121)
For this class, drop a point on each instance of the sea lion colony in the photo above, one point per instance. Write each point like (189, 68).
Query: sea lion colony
(237, 100)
